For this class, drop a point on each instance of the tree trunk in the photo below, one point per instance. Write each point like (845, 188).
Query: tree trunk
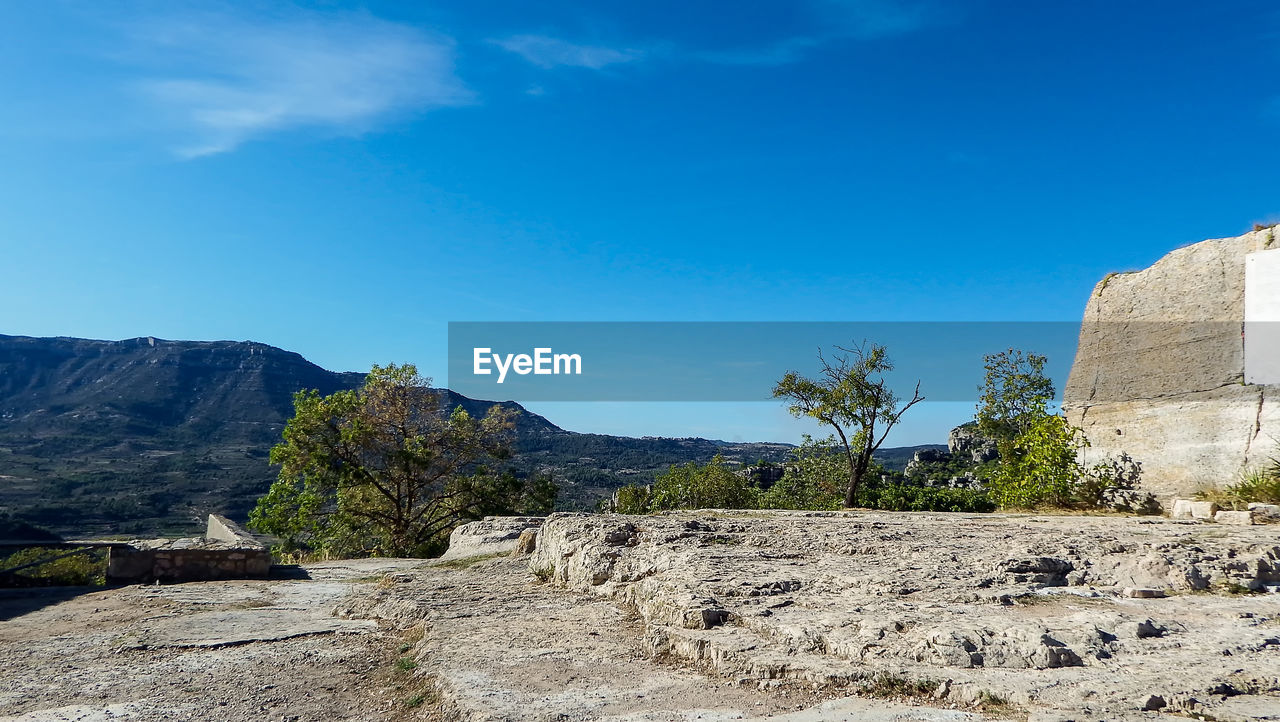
(857, 470)
(851, 490)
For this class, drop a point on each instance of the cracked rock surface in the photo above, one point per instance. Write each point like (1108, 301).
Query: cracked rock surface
(1028, 610)
(269, 649)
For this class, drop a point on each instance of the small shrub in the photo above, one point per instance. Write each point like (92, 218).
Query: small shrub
(889, 685)
(406, 664)
(1255, 485)
(987, 699)
(1238, 589)
(1261, 486)
(1113, 484)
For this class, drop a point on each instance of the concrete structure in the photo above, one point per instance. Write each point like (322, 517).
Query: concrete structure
(225, 552)
(1160, 368)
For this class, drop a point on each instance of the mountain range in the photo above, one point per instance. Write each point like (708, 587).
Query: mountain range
(146, 436)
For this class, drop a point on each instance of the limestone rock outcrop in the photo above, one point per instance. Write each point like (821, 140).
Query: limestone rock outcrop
(1159, 371)
(1087, 616)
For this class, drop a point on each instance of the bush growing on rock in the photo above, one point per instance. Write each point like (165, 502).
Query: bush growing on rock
(1255, 485)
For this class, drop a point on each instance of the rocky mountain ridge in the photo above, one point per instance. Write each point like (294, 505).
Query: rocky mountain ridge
(149, 436)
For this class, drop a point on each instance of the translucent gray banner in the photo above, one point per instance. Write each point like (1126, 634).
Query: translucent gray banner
(741, 361)
(724, 361)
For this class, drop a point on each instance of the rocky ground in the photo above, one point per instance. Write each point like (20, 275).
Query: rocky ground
(229, 650)
(1046, 617)
(713, 616)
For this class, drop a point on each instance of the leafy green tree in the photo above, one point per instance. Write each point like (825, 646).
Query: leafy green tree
(697, 486)
(1039, 466)
(853, 398)
(812, 478)
(1015, 394)
(384, 470)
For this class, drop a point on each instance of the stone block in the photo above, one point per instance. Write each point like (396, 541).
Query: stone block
(220, 528)
(1203, 509)
(1192, 509)
(1237, 518)
(1182, 509)
(1142, 593)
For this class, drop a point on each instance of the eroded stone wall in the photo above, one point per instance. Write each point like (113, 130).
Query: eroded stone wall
(226, 552)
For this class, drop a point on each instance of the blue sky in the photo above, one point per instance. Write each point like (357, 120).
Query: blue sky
(342, 180)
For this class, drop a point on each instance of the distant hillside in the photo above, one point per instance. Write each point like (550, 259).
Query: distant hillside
(147, 436)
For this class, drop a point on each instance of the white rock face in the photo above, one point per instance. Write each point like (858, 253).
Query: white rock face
(1076, 616)
(1159, 372)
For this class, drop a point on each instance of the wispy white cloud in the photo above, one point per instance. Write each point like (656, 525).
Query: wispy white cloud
(228, 79)
(836, 20)
(830, 21)
(549, 52)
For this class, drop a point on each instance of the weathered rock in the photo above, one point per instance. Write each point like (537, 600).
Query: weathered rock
(1159, 370)
(966, 440)
(225, 552)
(525, 543)
(492, 535)
(1264, 513)
(1045, 571)
(834, 599)
(1191, 509)
(1143, 593)
(1017, 647)
(1181, 509)
(1239, 518)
